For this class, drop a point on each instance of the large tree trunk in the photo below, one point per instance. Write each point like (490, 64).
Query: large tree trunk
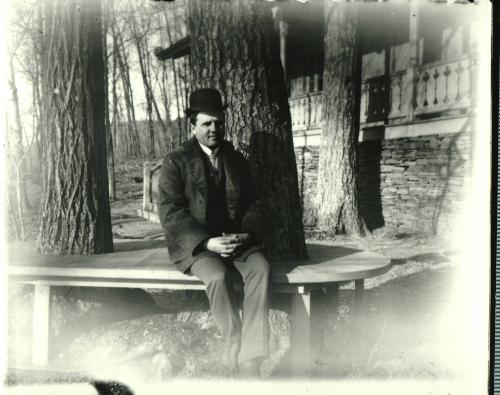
(235, 48)
(75, 216)
(337, 201)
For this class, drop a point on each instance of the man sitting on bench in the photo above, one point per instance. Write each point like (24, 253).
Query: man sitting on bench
(208, 207)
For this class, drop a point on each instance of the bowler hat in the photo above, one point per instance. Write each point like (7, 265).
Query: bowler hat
(205, 100)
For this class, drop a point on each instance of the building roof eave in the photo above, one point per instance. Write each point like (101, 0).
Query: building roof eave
(178, 49)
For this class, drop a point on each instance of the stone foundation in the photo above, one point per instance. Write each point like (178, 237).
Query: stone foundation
(410, 185)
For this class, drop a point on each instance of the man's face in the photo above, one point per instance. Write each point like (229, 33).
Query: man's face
(209, 128)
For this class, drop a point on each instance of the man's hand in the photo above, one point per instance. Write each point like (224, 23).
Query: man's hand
(242, 238)
(224, 245)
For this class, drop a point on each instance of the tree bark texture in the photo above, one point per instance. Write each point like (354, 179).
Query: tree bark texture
(235, 49)
(75, 216)
(337, 200)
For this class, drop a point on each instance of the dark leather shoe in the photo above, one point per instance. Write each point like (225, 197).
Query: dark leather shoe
(249, 369)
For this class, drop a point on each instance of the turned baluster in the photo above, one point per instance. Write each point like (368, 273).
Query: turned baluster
(446, 73)
(459, 70)
(425, 78)
(435, 75)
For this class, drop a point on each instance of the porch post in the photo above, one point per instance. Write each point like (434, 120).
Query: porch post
(411, 71)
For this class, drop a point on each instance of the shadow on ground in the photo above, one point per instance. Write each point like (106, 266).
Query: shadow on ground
(132, 334)
(396, 333)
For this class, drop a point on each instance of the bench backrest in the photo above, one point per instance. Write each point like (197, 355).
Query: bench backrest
(150, 191)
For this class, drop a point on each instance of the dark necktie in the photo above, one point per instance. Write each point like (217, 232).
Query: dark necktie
(213, 161)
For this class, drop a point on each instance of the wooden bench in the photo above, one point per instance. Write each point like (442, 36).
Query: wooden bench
(144, 264)
(150, 192)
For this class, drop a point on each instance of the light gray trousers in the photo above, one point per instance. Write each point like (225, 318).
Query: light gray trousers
(251, 337)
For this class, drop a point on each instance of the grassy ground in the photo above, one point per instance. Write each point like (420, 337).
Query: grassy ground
(398, 332)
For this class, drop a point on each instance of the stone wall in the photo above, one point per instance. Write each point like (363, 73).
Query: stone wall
(410, 185)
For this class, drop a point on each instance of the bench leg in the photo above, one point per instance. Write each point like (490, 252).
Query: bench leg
(300, 338)
(41, 325)
(306, 330)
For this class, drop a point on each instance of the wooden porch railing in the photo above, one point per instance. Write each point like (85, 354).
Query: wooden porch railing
(444, 85)
(439, 88)
(306, 111)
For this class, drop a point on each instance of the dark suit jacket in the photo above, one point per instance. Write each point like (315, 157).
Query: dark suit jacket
(182, 201)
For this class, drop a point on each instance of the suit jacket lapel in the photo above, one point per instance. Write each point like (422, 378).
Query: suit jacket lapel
(196, 167)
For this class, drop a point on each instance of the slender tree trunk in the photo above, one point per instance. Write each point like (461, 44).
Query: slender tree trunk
(129, 102)
(116, 116)
(337, 200)
(111, 164)
(186, 85)
(235, 48)
(164, 90)
(37, 105)
(154, 103)
(19, 198)
(178, 96)
(109, 141)
(75, 217)
(141, 29)
(38, 45)
(14, 227)
(134, 147)
(19, 153)
(148, 94)
(36, 113)
(162, 78)
(178, 104)
(16, 219)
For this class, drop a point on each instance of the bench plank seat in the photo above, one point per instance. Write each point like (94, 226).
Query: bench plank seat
(149, 262)
(145, 264)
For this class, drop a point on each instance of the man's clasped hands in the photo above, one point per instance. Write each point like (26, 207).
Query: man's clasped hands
(229, 244)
